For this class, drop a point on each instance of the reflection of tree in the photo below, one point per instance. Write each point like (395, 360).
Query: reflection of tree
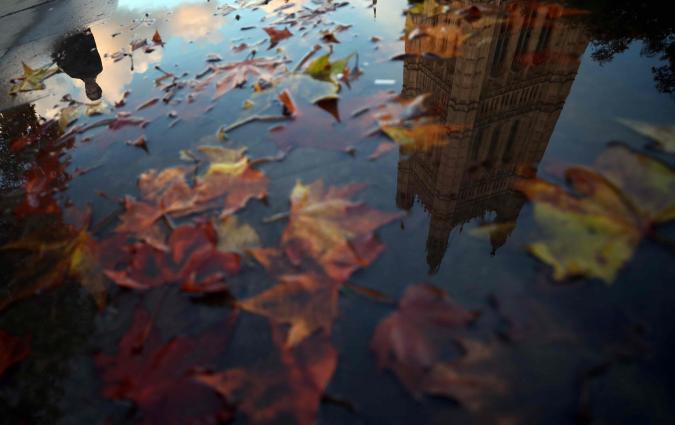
(506, 85)
(615, 24)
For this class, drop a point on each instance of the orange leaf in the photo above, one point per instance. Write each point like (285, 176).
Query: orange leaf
(289, 387)
(157, 375)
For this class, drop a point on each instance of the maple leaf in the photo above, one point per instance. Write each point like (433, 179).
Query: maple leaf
(47, 174)
(33, 79)
(411, 341)
(12, 350)
(323, 69)
(336, 232)
(235, 237)
(237, 73)
(662, 136)
(288, 387)
(192, 260)
(306, 302)
(229, 176)
(595, 234)
(158, 376)
(277, 35)
(56, 254)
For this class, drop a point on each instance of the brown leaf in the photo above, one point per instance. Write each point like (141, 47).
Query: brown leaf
(277, 35)
(412, 340)
(157, 375)
(55, 254)
(157, 39)
(191, 260)
(305, 302)
(287, 101)
(289, 387)
(337, 233)
(13, 350)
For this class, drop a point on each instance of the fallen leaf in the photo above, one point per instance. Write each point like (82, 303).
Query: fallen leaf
(229, 176)
(306, 303)
(336, 232)
(33, 79)
(289, 387)
(157, 39)
(191, 260)
(595, 234)
(139, 142)
(235, 237)
(277, 35)
(237, 73)
(56, 253)
(289, 105)
(158, 376)
(13, 350)
(323, 69)
(380, 150)
(412, 341)
(663, 136)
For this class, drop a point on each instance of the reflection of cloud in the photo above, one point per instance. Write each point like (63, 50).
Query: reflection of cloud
(187, 21)
(275, 4)
(194, 21)
(116, 75)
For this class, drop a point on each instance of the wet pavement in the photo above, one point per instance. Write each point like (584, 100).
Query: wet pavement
(122, 175)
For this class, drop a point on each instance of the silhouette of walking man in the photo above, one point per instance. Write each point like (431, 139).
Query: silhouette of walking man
(78, 57)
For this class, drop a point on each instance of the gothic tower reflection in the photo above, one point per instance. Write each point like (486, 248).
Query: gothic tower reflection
(505, 84)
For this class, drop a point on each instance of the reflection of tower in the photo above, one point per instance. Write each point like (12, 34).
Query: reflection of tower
(505, 85)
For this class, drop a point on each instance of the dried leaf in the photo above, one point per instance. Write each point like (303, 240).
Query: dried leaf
(158, 376)
(412, 341)
(381, 149)
(306, 303)
(13, 350)
(663, 136)
(57, 254)
(325, 225)
(191, 260)
(277, 35)
(156, 38)
(289, 387)
(33, 79)
(235, 237)
(596, 233)
(323, 69)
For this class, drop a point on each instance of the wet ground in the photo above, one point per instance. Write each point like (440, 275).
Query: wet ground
(128, 295)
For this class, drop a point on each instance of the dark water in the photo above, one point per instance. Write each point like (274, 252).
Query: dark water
(560, 109)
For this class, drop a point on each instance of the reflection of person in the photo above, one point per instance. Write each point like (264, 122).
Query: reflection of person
(78, 57)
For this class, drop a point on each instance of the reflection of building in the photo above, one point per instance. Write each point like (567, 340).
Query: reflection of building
(506, 85)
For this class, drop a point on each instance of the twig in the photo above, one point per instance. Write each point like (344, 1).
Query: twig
(307, 57)
(255, 118)
(277, 217)
(264, 160)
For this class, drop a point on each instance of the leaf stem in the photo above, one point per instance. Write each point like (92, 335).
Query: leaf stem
(255, 118)
(307, 57)
(277, 217)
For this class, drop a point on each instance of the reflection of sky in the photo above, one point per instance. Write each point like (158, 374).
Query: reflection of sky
(153, 4)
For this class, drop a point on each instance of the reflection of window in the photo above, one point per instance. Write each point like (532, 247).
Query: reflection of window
(492, 153)
(500, 47)
(508, 152)
(545, 35)
(523, 40)
(475, 147)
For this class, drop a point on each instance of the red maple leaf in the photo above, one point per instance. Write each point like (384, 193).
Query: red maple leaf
(158, 376)
(193, 261)
(12, 350)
